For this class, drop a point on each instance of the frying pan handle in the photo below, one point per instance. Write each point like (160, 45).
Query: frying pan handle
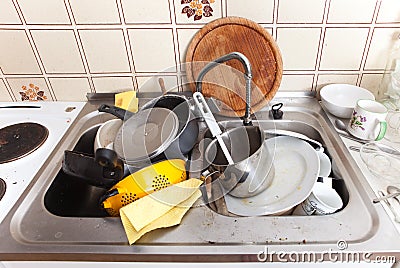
(85, 167)
(116, 111)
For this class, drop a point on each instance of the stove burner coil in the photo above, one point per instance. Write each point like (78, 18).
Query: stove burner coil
(19, 140)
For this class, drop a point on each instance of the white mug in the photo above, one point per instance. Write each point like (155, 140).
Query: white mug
(322, 200)
(368, 120)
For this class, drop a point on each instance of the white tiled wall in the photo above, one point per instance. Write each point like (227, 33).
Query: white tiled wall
(63, 49)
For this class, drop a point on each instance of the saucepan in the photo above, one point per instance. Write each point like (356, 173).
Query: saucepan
(188, 128)
(252, 171)
(145, 137)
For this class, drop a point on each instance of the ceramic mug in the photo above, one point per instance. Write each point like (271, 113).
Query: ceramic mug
(368, 120)
(322, 200)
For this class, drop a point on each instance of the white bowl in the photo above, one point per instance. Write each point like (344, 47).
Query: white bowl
(106, 134)
(340, 99)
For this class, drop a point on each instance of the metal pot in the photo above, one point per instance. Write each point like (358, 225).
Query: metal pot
(252, 171)
(188, 129)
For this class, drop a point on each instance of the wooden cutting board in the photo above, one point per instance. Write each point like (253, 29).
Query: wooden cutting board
(226, 82)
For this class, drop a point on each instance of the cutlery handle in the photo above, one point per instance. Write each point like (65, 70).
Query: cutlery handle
(378, 199)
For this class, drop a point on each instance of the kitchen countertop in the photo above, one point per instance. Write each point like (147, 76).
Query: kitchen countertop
(303, 230)
(376, 183)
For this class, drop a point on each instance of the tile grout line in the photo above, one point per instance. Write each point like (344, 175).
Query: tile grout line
(80, 46)
(177, 46)
(8, 88)
(321, 45)
(35, 50)
(128, 47)
(368, 42)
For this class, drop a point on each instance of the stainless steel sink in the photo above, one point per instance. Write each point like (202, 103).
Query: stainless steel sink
(59, 219)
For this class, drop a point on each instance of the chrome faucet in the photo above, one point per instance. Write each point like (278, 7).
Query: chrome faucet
(247, 75)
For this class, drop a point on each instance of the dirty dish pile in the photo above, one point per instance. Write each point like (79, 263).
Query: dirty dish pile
(297, 168)
(340, 99)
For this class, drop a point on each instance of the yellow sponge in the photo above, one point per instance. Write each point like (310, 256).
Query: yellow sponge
(127, 100)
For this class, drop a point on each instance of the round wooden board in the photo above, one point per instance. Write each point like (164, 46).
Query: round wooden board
(226, 35)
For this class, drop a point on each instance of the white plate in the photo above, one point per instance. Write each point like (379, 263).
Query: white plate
(296, 170)
(325, 165)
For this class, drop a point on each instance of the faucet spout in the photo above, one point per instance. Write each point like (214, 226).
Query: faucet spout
(247, 75)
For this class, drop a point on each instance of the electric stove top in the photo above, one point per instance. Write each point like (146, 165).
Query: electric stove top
(29, 132)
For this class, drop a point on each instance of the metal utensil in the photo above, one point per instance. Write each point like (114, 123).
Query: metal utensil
(393, 189)
(339, 124)
(253, 170)
(378, 199)
(395, 214)
(212, 124)
(382, 147)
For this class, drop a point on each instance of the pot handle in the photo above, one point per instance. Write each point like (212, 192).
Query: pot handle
(116, 111)
(86, 168)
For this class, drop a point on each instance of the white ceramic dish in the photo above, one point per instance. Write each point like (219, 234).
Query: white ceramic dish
(106, 134)
(296, 171)
(325, 164)
(340, 99)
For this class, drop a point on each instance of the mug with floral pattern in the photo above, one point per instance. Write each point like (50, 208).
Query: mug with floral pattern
(368, 120)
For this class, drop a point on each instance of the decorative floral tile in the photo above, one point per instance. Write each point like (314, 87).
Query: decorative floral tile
(197, 8)
(30, 89)
(197, 11)
(32, 93)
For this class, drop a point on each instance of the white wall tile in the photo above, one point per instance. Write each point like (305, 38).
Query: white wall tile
(95, 11)
(326, 79)
(58, 51)
(8, 13)
(354, 11)
(371, 82)
(184, 83)
(154, 11)
(113, 84)
(182, 17)
(389, 11)
(105, 50)
(25, 85)
(260, 11)
(343, 48)
(16, 54)
(4, 95)
(70, 89)
(153, 49)
(151, 84)
(299, 55)
(184, 38)
(44, 11)
(304, 11)
(292, 82)
(382, 42)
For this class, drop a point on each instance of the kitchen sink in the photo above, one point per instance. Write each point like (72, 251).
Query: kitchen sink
(59, 217)
(69, 196)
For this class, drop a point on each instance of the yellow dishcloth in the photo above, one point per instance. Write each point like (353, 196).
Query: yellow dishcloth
(127, 101)
(160, 209)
